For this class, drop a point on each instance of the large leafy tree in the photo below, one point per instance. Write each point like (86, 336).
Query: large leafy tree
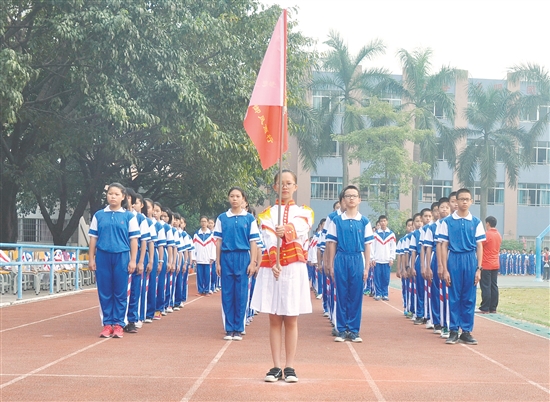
(493, 136)
(348, 84)
(380, 145)
(422, 91)
(149, 93)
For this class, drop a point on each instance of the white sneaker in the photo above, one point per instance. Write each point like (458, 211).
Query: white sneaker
(148, 320)
(169, 309)
(325, 314)
(243, 333)
(319, 297)
(357, 339)
(339, 339)
(237, 338)
(139, 324)
(176, 308)
(228, 337)
(429, 325)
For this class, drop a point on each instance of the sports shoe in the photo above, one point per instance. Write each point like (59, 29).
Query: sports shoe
(274, 375)
(377, 298)
(139, 324)
(181, 305)
(325, 314)
(176, 308)
(131, 328)
(335, 332)
(444, 333)
(237, 337)
(339, 339)
(117, 331)
(408, 314)
(492, 311)
(290, 375)
(418, 321)
(228, 336)
(244, 332)
(163, 312)
(157, 316)
(354, 338)
(148, 320)
(467, 338)
(319, 297)
(107, 331)
(366, 292)
(437, 329)
(429, 324)
(478, 311)
(385, 298)
(453, 338)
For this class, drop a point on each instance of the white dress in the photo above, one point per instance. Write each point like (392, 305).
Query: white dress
(290, 294)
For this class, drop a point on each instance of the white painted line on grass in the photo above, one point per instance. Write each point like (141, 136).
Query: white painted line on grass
(508, 369)
(48, 319)
(366, 373)
(22, 377)
(205, 373)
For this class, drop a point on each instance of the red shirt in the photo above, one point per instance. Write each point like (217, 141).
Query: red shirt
(491, 250)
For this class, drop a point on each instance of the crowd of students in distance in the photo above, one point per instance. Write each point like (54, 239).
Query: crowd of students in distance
(514, 262)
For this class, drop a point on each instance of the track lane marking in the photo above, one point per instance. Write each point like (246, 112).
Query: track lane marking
(48, 319)
(205, 373)
(30, 373)
(372, 384)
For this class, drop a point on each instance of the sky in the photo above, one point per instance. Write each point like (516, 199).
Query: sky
(485, 37)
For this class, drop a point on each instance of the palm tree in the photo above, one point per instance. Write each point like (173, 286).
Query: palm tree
(493, 136)
(347, 85)
(423, 92)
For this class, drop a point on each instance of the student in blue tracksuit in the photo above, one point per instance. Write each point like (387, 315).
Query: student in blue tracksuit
(162, 262)
(137, 277)
(349, 239)
(151, 264)
(215, 282)
(237, 233)
(204, 243)
(383, 255)
(462, 236)
(113, 251)
(169, 253)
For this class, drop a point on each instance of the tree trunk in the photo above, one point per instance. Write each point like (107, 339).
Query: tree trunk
(483, 196)
(345, 165)
(8, 212)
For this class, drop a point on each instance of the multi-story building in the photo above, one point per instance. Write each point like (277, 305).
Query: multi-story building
(522, 212)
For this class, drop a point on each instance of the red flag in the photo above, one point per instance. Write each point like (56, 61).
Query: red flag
(266, 111)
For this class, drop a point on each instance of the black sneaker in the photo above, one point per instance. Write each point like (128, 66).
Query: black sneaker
(467, 338)
(290, 375)
(453, 338)
(274, 375)
(131, 328)
(418, 321)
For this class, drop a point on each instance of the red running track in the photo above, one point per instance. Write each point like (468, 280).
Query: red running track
(50, 351)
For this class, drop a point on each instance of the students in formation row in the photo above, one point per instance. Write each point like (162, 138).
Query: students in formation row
(142, 255)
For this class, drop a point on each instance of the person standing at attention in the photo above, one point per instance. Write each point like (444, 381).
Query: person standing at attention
(462, 236)
(113, 251)
(282, 287)
(490, 265)
(348, 249)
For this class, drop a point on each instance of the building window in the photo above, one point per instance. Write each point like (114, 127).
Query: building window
(535, 113)
(326, 187)
(433, 190)
(438, 110)
(535, 195)
(495, 195)
(540, 155)
(326, 100)
(377, 191)
(33, 230)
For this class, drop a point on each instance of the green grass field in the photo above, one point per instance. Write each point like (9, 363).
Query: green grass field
(528, 304)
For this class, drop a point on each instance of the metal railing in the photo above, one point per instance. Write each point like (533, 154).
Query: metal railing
(20, 263)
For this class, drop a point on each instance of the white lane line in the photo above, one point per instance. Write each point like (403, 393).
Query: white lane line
(508, 369)
(205, 373)
(48, 319)
(366, 373)
(22, 377)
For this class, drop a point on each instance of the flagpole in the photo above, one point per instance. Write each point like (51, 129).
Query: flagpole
(281, 150)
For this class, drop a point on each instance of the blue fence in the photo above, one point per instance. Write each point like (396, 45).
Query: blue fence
(16, 276)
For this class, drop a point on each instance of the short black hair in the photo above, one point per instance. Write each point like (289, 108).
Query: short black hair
(492, 221)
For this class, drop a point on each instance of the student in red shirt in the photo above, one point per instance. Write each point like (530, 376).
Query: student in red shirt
(490, 265)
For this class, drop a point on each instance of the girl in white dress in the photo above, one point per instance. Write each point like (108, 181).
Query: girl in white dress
(282, 290)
